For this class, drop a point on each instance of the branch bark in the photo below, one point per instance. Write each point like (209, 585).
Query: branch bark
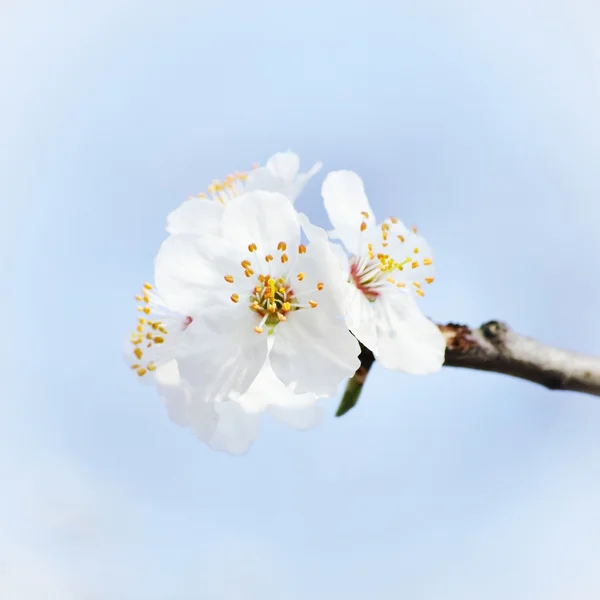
(496, 348)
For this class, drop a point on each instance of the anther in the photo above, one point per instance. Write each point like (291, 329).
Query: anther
(246, 264)
(235, 297)
(415, 264)
(269, 257)
(147, 286)
(252, 247)
(282, 246)
(429, 279)
(258, 329)
(301, 249)
(416, 251)
(365, 214)
(138, 353)
(363, 226)
(300, 276)
(414, 229)
(420, 292)
(284, 258)
(401, 238)
(286, 306)
(229, 278)
(393, 220)
(248, 272)
(427, 262)
(281, 317)
(320, 286)
(312, 304)
(141, 372)
(158, 339)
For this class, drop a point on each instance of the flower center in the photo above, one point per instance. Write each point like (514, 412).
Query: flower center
(150, 335)
(229, 188)
(272, 298)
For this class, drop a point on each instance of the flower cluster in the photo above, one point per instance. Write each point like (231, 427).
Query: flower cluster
(254, 309)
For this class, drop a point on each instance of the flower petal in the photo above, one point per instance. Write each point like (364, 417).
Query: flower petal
(361, 317)
(313, 352)
(261, 218)
(198, 216)
(345, 202)
(222, 353)
(190, 269)
(297, 418)
(407, 340)
(281, 174)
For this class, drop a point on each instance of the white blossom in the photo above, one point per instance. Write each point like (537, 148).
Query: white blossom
(387, 267)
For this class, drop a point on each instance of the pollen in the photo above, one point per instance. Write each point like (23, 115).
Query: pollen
(427, 262)
(429, 279)
(147, 286)
(269, 257)
(282, 246)
(138, 353)
(246, 264)
(248, 272)
(312, 304)
(284, 258)
(320, 286)
(158, 339)
(301, 249)
(229, 278)
(252, 247)
(363, 226)
(300, 276)
(258, 329)
(420, 292)
(415, 264)
(141, 372)
(401, 238)
(365, 214)
(235, 298)
(416, 251)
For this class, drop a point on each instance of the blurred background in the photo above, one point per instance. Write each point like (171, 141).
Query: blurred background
(477, 121)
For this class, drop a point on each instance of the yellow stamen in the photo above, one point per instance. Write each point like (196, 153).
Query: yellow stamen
(401, 238)
(415, 264)
(269, 257)
(300, 276)
(141, 372)
(158, 339)
(365, 214)
(427, 262)
(429, 279)
(420, 292)
(414, 229)
(235, 297)
(363, 226)
(258, 329)
(229, 278)
(282, 246)
(312, 304)
(252, 247)
(284, 258)
(320, 286)
(138, 353)
(301, 249)
(147, 286)
(286, 306)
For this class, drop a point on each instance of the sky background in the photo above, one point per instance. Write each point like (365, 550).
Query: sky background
(478, 121)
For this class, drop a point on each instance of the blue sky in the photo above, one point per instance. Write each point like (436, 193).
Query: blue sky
(478, 121)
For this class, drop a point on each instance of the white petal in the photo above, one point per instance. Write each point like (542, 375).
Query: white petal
(407, 340)
(189, 269)
(196, 216)
(264, 219)
(281, 174)
(345, 200)
(169, 388)
(223, 354)
(297, 418)
(361, 318)
(284, 165)
(313, 352)
(236, 429)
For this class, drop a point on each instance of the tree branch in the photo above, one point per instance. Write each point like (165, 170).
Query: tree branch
(494, 347)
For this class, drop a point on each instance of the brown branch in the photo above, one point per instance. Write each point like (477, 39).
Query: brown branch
(494, 347)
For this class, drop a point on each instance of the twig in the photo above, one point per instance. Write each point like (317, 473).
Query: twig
(494, 347)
